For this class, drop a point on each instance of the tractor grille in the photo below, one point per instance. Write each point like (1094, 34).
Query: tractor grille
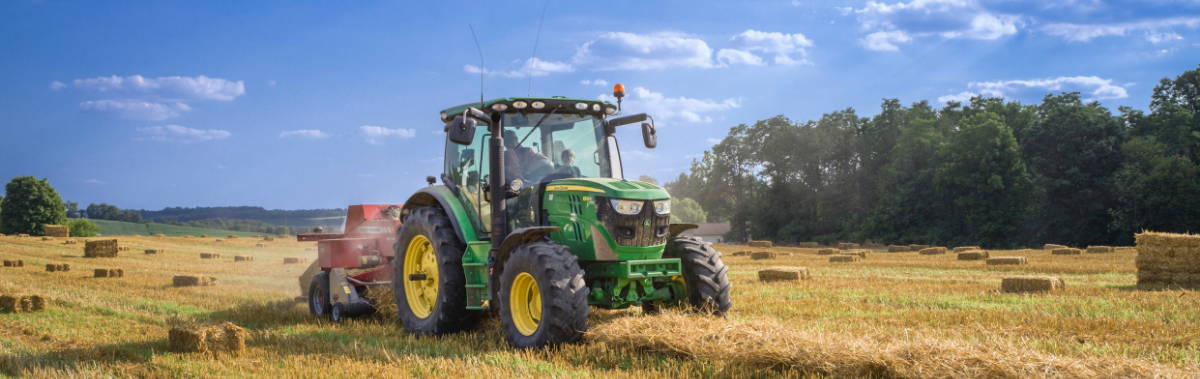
(644, 229)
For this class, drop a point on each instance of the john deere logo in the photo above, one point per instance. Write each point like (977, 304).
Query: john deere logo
(646, 223)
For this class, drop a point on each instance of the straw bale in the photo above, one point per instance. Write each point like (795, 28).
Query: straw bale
(193, 280)
(762, 244)
(858, 253)
(898, 248)
(826, 252)
(759, 255)
(101, 273)
(203, 236)
(268, 238)
(152, 251)
(917, 247)
(741, 253)
(260, 245)
(1051, 246)
(1031, 284)
(936, 250)
(207, 338)
(1007, 261)
(210, 255)
(973, 255)
(783, 274)
(24, 304)
(1167, 259)
(218, 240)
(56, 230)
(243, 258)
(847, 245)
(9, 304)
(70, 242)
(47, 239)
(843, 258)
(1066, 251)
(810, 245)
(100, 249)
(291, 260)
(15, 304)
(37, 303)
(1100, 249)
(52, 267)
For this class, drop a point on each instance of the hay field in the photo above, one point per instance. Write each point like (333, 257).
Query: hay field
(889, 315)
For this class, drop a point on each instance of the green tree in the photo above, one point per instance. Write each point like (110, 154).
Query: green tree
(82, 227)
(687, 211)
(982, 175)
(909, 200)
(30, 203)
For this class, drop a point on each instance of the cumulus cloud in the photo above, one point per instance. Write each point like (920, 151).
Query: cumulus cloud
(888, 25)
(667, 110)
(594, 82)
(532, 67)
(135, 109)
(639, 52)
(304, 133)
(376, 135)
(1086, 32)
(885, 41)
(57, 85)
(179, 133)
(165, 87)
(729, 57)
(1095, 87)
(785, 48)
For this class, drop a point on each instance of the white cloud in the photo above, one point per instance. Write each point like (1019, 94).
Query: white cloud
(1087, 32)
(639, 52)
(891, 24)
(667, 110)
(178, 133)
(57, 85)
(729, 57)
(595, 82)
(1157, 38)
(961, 97)
(165, 87)
(376, 135)
(532, 67)
(785, 47)
(304, 133)
(885, 41)
(1097, 88)
(135, 109)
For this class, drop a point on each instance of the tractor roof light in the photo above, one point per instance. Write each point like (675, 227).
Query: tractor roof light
(595, 107)
(520, 104)
(443, 116)
(610, 110)
(581, 106)
(499, 107)
(538, 105)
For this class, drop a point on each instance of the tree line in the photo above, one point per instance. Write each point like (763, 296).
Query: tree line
(990, 172)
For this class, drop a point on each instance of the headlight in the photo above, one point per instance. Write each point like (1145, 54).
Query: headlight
(662, 207)
(627, 207)
(581, 106)
(520, 104)
(499, 107)
(538, 105)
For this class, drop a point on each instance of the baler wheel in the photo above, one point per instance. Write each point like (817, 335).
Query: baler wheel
(337, 313)
(318, 295)
(543, 297)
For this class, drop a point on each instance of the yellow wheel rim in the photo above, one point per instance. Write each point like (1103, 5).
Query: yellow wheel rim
(420, 276)
(525, 300)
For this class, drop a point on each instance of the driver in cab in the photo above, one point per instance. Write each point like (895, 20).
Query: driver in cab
(521, 162)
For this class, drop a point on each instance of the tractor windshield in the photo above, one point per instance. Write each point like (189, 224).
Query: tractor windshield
(541, 147)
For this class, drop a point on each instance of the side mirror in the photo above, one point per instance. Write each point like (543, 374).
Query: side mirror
(461, 130)
(649, 135)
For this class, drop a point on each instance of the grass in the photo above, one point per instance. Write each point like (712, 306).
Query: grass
(121, 228)
(891, 315)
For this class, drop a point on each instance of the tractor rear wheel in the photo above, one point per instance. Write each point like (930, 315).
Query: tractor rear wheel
(705, 276)
(318, 295)
(428, 280)
(543, 298)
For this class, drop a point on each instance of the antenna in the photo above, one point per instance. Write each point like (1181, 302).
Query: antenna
(537, 38)
(481, 69)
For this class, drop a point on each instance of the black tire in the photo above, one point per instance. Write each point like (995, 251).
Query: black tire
(704, 274)
(318, 295)
(449, 312)
(337, 313)
(563, 295)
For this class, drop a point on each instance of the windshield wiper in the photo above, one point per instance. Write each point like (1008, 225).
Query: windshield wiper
(539, 123)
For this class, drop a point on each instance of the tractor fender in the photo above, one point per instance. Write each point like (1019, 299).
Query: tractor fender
(675, 229)
(442, 197)
(520, 237)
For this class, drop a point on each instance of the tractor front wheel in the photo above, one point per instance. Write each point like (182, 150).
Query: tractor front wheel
(543, 298)
(705, 277)
(428, 280)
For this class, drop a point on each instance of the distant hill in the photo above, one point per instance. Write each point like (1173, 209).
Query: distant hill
(121, 228)
(300, 219)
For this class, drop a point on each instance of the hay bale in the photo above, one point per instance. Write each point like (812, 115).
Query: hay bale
(760, 255)
(783, 274)
(966, 248)
(918, 247)
(24, 304)
(1066, 251)
(1100, 249)
(1019, 284)
(117, 272)
(210, 255)
(972, 255)
(847, 245)
(762, 244)
(207, 338)
(37, 303)
(56, 230)
(1051, 246)
(809, 245)
(193, 281)
(826, 252)
(152, 251)
(1168, 259)
(15, 304)
(70, 242)
(101, 273)
(290, 260)
(47, 239)
(218, 240)
(844, 258)
(858, 253)
(268, 238)
(1007, 261)
(897, 248)
(202, 236)
(243, 258)
(9, 304)
(936, 250)
(260, 245)
(100, 249)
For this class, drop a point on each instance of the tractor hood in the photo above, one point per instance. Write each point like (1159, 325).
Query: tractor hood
(611, 188)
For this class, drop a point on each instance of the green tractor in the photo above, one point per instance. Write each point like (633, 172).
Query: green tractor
(535, 221)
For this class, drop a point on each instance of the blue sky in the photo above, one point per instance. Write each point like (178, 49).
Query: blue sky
(321, 104)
